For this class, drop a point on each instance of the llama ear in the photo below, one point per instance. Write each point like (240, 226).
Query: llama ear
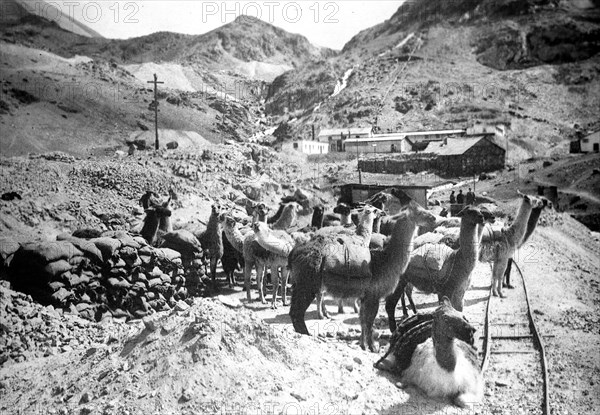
(446, 301)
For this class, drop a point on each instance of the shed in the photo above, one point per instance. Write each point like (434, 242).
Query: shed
(355, 192)
(590, 143)
(468, 155)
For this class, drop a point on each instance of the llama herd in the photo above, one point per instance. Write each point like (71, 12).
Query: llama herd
(362, 254)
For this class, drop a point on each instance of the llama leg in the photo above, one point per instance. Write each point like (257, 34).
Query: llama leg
(302, 296)
(392, 301)
(247, 279)
(285, 275)
(341, 306)
(368, 312)
(507, 274)
(213, 271)
(356, 305)
(498, 273)
(321, 309)
(260, 274)
(408, 291)
(275, 284)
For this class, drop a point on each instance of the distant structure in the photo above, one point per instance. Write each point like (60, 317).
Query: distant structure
(336, 137)
(310, 147)
(402, 142)
(355, 192)
(589, 143)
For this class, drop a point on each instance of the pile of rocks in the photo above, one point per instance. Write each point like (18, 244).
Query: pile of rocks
(31, 330)
(116, 274)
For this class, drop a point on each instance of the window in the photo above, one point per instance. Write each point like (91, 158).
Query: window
(586, 140)
(295, 145)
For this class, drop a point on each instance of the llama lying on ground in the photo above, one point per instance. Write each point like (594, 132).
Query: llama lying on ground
(436, 268)
(435, 353)
(347, 269)
(498, 247)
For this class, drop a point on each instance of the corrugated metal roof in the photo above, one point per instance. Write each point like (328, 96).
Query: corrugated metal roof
(454, 146)
(339, 131)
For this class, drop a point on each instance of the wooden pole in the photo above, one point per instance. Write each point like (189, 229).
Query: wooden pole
(155, 82)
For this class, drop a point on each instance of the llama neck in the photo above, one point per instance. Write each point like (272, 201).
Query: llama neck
(150, 228)
(165, 224)
(287, 219)
(377, 224)
(317, 219)
(398, 250)
(345, 220)
(213, 223)
(444, 352)
(365, 230)
(532, 222)
(519, 226)
(469, 240)
(235, 237)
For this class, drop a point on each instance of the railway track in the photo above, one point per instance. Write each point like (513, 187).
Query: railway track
(512, 344)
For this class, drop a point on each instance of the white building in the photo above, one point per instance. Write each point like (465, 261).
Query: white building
(310, 147)
(590, 143)
(335, 137)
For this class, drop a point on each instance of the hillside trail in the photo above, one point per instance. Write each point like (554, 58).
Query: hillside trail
(223, 355)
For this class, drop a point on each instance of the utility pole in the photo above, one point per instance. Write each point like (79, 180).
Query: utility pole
(155, 82)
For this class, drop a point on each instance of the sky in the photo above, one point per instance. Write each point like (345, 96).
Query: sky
(324, 23)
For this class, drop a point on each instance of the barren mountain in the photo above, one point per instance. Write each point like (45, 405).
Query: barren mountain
(533, 65)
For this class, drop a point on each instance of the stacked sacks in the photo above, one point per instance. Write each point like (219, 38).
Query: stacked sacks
(115, 274)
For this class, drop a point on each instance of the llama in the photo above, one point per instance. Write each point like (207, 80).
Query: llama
(288, 216)
(435, 353)
(448, 240)
(212, 242)
(498, 247)
(452, 275)
(340, 216)
(347, 269)
(531, 225)
(363, 237)
(279, 244)
(151, 223)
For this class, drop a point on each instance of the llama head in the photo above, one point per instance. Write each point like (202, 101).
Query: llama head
(342, 209)
(369, 214)
(471, 215)
(401, 195)
(228, 221)
(318, 210)
(259, 227)
(449, 324)
(534, 202)
(418, 214)
(488, 216)
(158, 212)
(546, 203)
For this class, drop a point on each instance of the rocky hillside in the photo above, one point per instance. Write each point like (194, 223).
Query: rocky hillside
(532, 65)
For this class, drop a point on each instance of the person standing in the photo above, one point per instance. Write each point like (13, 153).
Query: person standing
(460, 198)
(452, 198)
(470, 199)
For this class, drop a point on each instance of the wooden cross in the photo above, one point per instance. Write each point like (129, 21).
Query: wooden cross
(155, 82)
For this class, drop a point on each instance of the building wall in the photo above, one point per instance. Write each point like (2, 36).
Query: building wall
(587, 143)
(366, 147)
(310, 147)
(482, 157)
